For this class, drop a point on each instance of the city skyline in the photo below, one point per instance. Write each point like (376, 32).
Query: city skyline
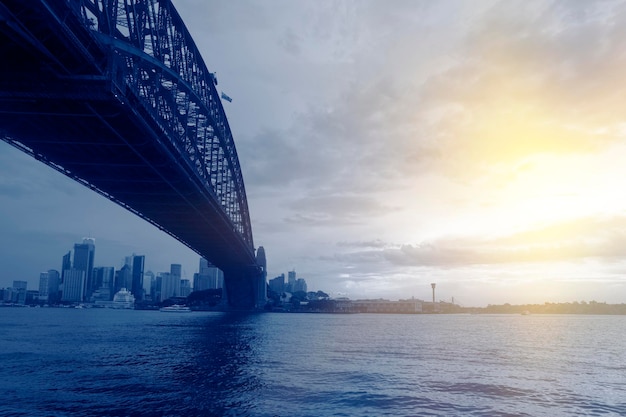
(83, 277)
(388, 146)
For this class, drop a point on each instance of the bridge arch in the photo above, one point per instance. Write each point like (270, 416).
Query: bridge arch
(127, 74)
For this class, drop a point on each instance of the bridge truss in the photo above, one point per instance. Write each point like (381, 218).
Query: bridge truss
(115, 94)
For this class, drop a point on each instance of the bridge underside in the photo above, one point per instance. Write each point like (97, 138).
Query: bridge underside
(72, 118)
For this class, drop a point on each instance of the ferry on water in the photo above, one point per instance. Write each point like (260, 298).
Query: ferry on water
(176, 308)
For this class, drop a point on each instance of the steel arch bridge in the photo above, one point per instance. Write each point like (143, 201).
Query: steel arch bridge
(115, 94)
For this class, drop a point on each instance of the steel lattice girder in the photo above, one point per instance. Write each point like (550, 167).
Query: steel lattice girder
(154, 56)
(114, 55)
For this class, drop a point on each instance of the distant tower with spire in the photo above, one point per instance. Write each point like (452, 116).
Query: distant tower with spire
(433, 285)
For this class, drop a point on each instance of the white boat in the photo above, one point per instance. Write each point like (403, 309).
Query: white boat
(176, 308)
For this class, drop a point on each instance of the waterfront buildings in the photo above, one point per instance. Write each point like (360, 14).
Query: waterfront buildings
(209, 277)
(386, 306)
(299, 285)
(19, 291)
(137, 276)
(49, 286)
(84, 254)
(148, 283)
(185, 288)
(123, 299)
(104, 279)
(43, 286)
(277, 285)
(123, 278)
(80, 281)
(73, 285)
(291, 280)
(167, 284)
(176, 270)
(66, 264)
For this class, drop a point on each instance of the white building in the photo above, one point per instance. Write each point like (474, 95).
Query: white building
(123, 299)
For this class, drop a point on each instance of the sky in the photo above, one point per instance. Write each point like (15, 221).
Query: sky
(389, 145)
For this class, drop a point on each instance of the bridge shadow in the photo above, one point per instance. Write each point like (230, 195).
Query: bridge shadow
(220, 376)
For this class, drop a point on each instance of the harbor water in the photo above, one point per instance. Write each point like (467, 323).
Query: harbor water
(102, 362)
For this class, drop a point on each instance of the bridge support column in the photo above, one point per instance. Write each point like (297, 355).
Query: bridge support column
(241, 286)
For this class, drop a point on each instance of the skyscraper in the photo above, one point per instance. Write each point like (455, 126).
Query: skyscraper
(300, 285)
(291, 281)
(209, 277)
(137, 277)
(84, 254)
(66, 264)
(123, 278)
(277, 284)
(54, 280)
(73, 285)
(202, 280)
(185, 288)
(43, 286)
(104, 280)
(19, 288)
(168, 285)
(176, 270)
(148, 284)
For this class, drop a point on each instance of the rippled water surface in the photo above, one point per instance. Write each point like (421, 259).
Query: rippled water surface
(97, 362)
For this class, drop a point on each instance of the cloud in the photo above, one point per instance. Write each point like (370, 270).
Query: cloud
(377, 243)
(585, 238)
(523, 83)
(528, 82)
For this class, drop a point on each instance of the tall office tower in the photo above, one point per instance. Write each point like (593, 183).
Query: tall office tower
(277, 284)
(84, 254)
(123, 279)
(196, 281)
(300, 285)
(20, 285)
(137, 277)
(291, 280)
(98, 276)
(104, 280)
(168, 285)
(43, 286)
(54, 280)
(19, 289)
(73, 285)
(155, 288)
(67, 263)
(176, 270)
(209, 277)
(261, 286)
(185, 288)
(204, 266)
(202, 280)
(148, 282)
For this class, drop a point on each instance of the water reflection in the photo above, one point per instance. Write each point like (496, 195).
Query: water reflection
(134, 363)
(221, 373)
